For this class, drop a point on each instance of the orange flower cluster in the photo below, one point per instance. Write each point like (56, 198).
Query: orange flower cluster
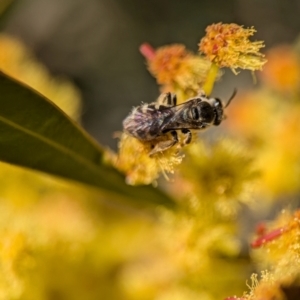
(169, 62)
(228, 45)
(176, 69)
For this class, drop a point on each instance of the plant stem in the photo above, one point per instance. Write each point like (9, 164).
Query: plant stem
(210, 79)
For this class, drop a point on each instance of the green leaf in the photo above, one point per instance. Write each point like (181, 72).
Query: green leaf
(36, 134)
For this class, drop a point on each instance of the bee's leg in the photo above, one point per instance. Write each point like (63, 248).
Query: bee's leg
(173, 100)
(188, 136)
(165, 145)
(167, 99)
(201, 93)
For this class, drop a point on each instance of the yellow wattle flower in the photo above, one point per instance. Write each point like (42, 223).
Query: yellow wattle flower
(228, 45)
(133, 159)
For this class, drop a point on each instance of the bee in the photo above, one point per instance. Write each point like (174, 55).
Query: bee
(164, 118)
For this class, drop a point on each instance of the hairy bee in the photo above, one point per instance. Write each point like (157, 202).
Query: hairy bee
(148, 122)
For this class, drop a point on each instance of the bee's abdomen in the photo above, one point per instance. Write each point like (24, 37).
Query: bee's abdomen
(143, 123)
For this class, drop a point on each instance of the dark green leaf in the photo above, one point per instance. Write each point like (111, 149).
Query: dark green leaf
(34, 133)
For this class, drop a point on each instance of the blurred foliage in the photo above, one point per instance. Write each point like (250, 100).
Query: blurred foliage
(18, 62)
(66, 241)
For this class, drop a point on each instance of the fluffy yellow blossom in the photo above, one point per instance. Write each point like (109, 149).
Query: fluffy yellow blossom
(228, 45)
(222, 173)
(265, 288)
(191, 249)
(141, 168)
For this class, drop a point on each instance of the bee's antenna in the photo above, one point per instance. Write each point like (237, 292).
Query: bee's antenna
(232, 96)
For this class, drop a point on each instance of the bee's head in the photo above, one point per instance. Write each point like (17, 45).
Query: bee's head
(200, 112)
(218, 106)
(203, 111)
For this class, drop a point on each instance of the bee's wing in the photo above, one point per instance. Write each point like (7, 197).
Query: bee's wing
(181, 118)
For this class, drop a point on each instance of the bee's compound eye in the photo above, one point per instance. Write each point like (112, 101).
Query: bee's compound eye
(207, 112)
(168, 98)
(195, 113)
(218, 103)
